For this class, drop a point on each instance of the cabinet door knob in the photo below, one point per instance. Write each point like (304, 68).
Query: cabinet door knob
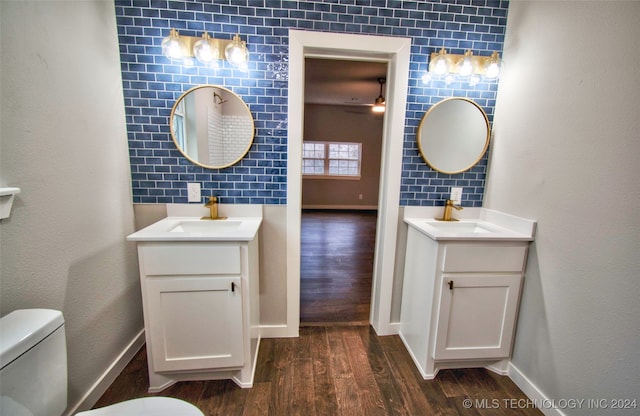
(450, 284)
(233, 287)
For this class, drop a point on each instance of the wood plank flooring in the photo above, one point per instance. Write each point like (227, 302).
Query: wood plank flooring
(336, 266)
(343, 370)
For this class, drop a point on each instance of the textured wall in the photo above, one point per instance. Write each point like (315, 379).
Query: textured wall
(64, 144)
(152, 84)
(571, 163)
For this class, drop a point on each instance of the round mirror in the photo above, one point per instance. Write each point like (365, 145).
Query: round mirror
(453, 135)
(212, 126)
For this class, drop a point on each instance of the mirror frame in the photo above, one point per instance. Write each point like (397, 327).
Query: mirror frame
(484, 148)
(184, 153)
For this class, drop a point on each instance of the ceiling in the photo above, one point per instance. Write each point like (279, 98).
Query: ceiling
(341, 82)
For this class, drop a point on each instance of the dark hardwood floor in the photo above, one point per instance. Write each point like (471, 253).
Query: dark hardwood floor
(341, 370)
(336, 266)
(338, 365)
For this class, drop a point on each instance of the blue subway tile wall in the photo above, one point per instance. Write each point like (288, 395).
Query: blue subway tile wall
(152, 83)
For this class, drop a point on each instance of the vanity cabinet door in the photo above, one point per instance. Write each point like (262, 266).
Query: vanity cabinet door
(476, 316)
(195, 323)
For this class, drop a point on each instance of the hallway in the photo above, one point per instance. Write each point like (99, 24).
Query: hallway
(337, 250)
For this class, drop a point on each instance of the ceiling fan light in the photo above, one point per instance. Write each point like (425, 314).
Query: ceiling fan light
(379, 105)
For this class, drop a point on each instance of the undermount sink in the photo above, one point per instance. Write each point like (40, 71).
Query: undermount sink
(196, 229)
(461, 227)
(205, 226)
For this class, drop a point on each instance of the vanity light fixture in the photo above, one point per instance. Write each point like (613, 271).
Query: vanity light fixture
(467, 67)
(379, 105)
(205, 49)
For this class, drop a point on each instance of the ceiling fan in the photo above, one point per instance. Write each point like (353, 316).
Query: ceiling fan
(378, 106)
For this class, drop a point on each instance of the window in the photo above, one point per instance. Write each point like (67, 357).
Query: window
(331, 159)
(179, 125)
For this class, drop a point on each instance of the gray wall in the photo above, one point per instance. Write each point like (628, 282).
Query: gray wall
(349, 124)
(64, 144)
(565, 152)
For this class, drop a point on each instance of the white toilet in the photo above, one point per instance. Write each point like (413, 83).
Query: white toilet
(33, 372)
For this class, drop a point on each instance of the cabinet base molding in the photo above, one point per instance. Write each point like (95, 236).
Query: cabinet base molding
(429, 370)
(243, 376)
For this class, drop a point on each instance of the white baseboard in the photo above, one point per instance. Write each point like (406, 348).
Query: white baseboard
(104, 381)
(352, 207)
(532, 392)
(275, 331)
(394, 328)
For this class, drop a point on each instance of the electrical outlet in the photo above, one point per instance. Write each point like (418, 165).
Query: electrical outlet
(360, 197)
(456, 195)
(193, 192)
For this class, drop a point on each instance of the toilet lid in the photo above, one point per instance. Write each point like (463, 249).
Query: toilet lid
(147, 406)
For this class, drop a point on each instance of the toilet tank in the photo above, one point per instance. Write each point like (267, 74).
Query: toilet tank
(33, 363)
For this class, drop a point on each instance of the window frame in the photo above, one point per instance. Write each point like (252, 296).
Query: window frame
(327, 159)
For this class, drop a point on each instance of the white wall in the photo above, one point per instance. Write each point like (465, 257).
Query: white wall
(566, 152)
(64, 144)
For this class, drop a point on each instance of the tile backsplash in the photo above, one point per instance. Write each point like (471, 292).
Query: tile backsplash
(152, 83)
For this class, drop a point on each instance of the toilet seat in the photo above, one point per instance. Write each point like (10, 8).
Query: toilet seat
(147, 406)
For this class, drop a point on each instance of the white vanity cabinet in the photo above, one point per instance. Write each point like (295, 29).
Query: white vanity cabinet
(201, 309)
(478, 298)
(460, 301)
(193, 299)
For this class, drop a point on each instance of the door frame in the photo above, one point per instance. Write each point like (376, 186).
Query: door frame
(396, 52)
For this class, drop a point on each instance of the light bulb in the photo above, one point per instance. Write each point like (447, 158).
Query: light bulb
(173, 47)
(493, 66)
(205, 50)
(440, 64)
(379, 106)
(236, 52)
(466, 66)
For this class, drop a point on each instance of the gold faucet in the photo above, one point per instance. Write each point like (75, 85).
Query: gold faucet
(447, 211)
(213, 207)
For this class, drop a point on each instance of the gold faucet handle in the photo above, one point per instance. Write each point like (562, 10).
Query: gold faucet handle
(451, 204)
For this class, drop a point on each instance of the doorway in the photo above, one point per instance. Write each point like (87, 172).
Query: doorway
(342, 148)
(396, 52)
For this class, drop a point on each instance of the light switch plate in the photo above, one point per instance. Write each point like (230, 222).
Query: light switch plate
(456, 195)
(193, 192)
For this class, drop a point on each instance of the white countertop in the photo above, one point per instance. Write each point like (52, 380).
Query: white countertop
(173, 229)
(489, 226)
